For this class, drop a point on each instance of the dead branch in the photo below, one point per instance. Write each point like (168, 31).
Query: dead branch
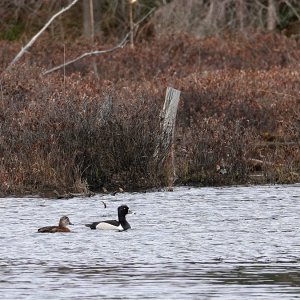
(120, 45)
(258, 163)
(24, 49)
(292, 8)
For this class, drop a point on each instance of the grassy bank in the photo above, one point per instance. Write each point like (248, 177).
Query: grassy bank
(239, 115)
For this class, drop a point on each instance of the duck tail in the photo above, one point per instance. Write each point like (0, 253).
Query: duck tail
(92, 225)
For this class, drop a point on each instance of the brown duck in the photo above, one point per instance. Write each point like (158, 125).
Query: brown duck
(62, 226)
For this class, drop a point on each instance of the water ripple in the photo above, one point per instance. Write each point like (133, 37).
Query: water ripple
(194, 243)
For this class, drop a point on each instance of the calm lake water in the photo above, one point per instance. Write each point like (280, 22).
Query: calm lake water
(193, 243)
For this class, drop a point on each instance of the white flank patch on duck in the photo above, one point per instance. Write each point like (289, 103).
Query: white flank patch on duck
(107, 226)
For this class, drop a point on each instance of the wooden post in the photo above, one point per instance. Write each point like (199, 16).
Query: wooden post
(165, 149)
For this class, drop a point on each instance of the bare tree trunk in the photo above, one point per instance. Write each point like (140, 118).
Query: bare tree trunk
(91, 11)
(211, 16)
(86, 18)
(91, 15)
(97, 17)
(92, 27)
(216, 15)
(241, 13)
(91, 18)
(131, 23)
(272, 15)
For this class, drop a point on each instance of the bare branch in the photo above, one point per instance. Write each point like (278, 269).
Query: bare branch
(24, 49)
(292, 8)
(120, 45)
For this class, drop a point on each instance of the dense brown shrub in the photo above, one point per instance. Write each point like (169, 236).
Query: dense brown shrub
(239, 114)
(72, 134)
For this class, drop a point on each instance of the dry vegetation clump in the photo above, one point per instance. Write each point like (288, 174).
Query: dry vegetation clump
(238, 120)
(241, 122)
(72, 135)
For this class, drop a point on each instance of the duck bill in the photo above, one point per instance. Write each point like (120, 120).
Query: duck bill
(130, 211)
